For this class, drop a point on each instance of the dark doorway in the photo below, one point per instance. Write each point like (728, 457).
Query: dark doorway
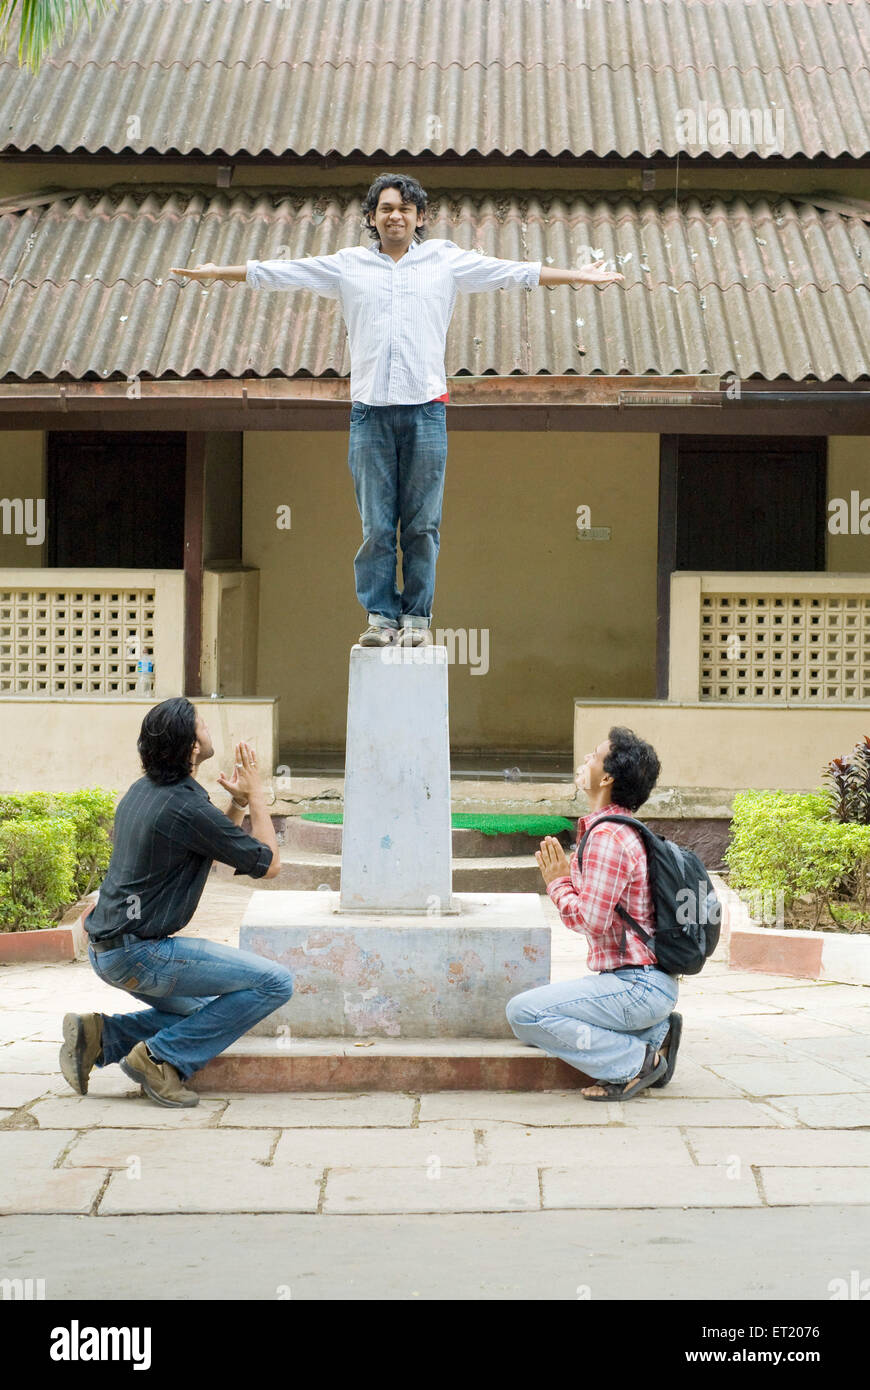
(748, 503)
(116, 500)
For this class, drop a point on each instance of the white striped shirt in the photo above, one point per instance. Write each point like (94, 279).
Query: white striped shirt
(397, 312)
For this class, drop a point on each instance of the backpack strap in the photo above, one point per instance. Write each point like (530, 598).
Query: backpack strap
(644, 831)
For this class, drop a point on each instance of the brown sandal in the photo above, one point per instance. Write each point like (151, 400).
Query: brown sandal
(647, 1076)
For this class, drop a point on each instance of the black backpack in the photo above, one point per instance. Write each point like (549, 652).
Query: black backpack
(687, 911)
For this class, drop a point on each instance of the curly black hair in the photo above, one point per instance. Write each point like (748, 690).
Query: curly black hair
(410, 190)
(166, 741)
(634, 767)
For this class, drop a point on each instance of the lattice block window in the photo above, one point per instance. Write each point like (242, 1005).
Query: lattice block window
(74, 641)
(768, 647)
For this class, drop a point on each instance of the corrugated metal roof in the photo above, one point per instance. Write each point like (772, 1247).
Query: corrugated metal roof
(418, 76)
(769, 288)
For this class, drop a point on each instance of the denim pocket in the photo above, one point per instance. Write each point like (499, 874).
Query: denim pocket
(134, 970)
(637, 1005)
(358, 411)
(435, 410)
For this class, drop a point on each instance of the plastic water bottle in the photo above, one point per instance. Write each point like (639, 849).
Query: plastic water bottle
(145, 678)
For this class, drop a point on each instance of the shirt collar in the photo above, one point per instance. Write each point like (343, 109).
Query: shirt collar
(613, 809)
(376, 248)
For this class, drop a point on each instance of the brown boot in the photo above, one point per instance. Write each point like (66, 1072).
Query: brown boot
(159, 1080)
(81, 1048)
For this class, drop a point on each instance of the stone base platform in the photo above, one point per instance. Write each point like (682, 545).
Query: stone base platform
(385, 1064)
(392, 975)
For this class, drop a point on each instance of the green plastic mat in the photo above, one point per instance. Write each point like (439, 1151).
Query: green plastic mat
(539, 826)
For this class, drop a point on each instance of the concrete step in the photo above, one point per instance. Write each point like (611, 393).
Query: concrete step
(258, 1064)
(309, 869)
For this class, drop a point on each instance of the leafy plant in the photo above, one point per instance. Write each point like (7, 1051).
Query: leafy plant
(836, 776)
(43, 25)
(37, 871)
(846, 782)
(53, 823)
(788, 843)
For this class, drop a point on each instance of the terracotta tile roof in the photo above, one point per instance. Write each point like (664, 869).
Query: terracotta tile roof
(769, 287)
(415, 76)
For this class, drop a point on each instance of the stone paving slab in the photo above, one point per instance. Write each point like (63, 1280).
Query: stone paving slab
(104, 1082)
(367, 1148)
(658, 1108)
(20, 1088)
(82, 1112)
(788, 1027)
(610, 1146)
(720, 1005)
(695, 1082)
(519, 1107)
(773, 1078)
(33, 1148)
(760, 1061)
(842, 1048)
(708, 1053)
(814, 1186)
(28, 1057)
(16, 1024)
(855, 1017)
(729, 981)
(816, 995)
(304, 1109)
(395, 1190)
(793, 1148)
(858, 1068)
(24, 1189)
(114, 1148)
(650, 1186)
(243, 1186)
(826, 1112)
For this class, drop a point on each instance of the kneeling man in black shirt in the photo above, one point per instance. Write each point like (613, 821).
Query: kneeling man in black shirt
(201, 995)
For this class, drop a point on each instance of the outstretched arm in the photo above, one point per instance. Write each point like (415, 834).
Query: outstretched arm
(209, 271)
(593, 274)
(473, 271)
(322, 274)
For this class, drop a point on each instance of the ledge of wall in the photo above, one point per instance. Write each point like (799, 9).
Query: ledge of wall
(710, 751)
(65, 744)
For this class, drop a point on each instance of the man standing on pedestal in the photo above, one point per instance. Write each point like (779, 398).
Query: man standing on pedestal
(397, 298)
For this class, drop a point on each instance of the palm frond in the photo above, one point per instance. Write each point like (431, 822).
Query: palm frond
(42, 24)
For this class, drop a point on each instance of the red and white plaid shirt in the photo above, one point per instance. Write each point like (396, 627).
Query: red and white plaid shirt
(614, 871)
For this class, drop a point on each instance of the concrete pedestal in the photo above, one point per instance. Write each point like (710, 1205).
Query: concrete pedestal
(387, 976)
(396, 844)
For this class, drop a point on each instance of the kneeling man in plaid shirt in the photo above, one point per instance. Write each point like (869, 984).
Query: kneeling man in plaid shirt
(617, 1024)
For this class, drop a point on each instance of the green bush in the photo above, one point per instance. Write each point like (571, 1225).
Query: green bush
(57, 821)
(787, 843)
(37, 871)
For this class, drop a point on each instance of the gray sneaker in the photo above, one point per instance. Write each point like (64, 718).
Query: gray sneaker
(415, 637)
(378, 636)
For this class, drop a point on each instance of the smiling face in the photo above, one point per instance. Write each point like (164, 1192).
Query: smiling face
(396, 220)
(590, 776)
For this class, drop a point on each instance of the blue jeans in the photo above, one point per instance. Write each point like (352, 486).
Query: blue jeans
(208, 996)
(398, 457)
(601, 1023)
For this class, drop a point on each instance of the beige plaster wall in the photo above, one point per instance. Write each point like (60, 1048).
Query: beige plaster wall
(728, 747)
(22, 474)
(848, 471)
(66, 744)
(563, 617)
